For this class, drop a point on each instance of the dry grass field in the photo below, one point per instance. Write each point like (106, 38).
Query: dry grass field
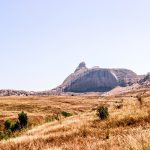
(127, 128)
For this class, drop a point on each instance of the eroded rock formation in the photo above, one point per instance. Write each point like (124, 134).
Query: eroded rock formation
(97, 79)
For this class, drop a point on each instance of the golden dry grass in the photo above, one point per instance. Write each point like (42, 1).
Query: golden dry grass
(127, 128)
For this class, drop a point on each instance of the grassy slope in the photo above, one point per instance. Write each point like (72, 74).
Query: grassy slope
(127, 127)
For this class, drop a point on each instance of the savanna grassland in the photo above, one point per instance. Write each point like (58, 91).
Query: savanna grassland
(126, 128)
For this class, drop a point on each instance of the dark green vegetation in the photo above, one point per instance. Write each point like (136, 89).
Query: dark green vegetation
(102, 112)
(7, 124)
(23, 119)
(11, 127)
(66, 114)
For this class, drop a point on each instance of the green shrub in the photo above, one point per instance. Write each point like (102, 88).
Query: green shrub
(102, 112)
(66, 114)
(23, 119)
(8, 124)
(15, 126)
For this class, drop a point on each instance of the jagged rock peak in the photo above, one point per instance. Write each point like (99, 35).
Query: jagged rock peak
(82, 65)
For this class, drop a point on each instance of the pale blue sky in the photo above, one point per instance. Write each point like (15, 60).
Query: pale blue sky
(43, 41)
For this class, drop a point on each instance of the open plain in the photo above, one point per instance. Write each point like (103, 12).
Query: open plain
(127, 128)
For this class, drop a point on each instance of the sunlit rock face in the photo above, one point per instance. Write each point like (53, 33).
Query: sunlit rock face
(93, 80)
(97, 79)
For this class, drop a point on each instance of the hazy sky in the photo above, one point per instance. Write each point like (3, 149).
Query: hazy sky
(43, 41)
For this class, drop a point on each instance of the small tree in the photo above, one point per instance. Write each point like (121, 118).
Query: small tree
(8, 124)
(23, 119)
(102, 112)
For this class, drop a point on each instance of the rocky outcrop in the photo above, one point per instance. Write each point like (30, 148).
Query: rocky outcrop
(9, 92)
(81, 66)
(145, 82)
(96, 79)
(92, 80)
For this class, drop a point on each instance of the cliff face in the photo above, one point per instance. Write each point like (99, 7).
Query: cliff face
(97, 79)
(92, 80)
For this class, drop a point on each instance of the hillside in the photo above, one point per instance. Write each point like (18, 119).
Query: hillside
(128, 125)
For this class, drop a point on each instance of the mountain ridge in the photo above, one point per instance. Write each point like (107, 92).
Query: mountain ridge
(96, 79)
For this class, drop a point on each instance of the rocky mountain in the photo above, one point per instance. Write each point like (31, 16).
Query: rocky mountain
(96, 79)
(145, 82)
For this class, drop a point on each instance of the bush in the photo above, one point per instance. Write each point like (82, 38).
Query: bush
(23, 119)
(66, 114)
(8, 124)
(15, 126)
(10, 127)
(102, 112)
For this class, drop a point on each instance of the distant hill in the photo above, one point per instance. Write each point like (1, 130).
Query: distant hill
(9, 92)
(97, 79)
